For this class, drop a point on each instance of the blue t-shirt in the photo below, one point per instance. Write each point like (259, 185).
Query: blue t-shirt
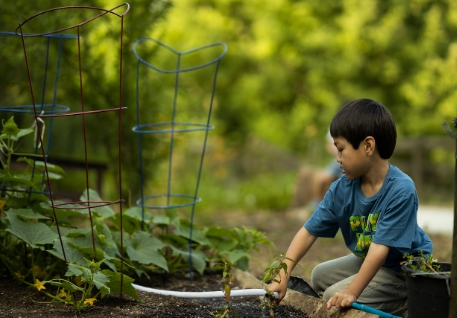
(389, 217)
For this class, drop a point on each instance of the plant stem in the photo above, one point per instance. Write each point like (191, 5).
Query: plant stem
(430, 267)
(10, 152)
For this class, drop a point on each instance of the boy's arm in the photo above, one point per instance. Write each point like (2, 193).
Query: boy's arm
(376, 256)
(299, 246)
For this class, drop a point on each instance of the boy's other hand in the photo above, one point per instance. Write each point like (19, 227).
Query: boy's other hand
(280, 288)
(344, 298)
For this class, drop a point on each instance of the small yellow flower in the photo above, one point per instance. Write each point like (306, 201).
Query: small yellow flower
(78, 280)
(90, 301)
(39, 285)
(62, 293)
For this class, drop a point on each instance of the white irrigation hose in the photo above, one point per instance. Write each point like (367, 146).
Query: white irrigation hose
(210, 294)
(242, 292)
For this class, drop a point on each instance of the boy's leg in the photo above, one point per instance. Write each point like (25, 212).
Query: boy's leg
(328, 273)
(386, 291)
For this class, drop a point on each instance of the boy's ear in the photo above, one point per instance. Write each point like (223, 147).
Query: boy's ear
(369, 145)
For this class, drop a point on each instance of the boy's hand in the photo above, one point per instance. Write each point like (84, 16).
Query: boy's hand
(280, 288)
(344, 298)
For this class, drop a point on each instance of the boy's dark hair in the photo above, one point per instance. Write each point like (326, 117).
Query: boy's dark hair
(362, 118)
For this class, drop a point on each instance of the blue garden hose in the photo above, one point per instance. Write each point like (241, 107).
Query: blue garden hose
(371, 310)
(300, 285)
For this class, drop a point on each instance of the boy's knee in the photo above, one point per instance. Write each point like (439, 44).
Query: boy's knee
(318, 278)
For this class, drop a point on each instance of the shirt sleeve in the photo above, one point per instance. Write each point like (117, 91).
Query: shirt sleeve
(323, 222)
(397, 223)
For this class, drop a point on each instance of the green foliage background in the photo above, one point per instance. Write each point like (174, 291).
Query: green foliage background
(290, 65)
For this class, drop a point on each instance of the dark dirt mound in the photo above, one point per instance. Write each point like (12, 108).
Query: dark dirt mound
(22, 301)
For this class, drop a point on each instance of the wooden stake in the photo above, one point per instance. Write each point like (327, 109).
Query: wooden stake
(453, 301)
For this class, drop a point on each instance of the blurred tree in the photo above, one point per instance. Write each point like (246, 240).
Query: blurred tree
(292, 64)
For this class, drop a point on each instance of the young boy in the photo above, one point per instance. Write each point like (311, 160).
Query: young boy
(374, 204)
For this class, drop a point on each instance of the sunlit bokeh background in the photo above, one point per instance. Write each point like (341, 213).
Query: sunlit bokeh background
(289, 67)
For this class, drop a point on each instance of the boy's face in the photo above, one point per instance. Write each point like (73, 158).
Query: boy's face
(354, 162)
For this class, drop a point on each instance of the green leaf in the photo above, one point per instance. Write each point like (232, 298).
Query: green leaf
(36, 199)
(63, 209)
(100, 281)
(74, 253)
(143, 239)
(144, 249)
(77, 233)
(16, 181)
(219, 232)
(115, 284)
(65, 284)
(33, 199)
(27, 214)
(129, 225)
(136, 213)
(22, 133)
(197, 236)
(173, 239)
(51, 167)
(243, 263)
(41, 165)
(103, 229)
(54, 176)
(103, 211)
(198, 258)
(89, 251)
(74, 248)
(223, 245)
(33, 233)
(108, 259)
(161, 220)
(236, 255)
(75, 269)
(222, 239)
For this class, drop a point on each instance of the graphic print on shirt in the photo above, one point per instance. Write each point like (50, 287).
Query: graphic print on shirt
(365, 229)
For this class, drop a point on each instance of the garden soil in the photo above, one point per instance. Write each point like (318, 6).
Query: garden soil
(19, 301)
(280, 227)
